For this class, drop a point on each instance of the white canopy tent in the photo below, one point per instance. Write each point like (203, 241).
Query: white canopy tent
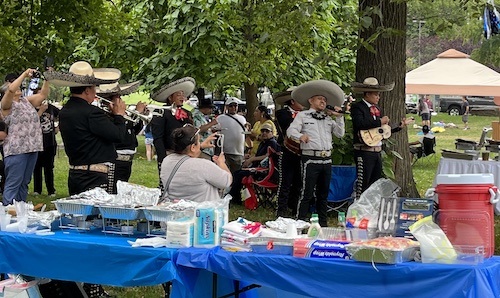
(453, 73)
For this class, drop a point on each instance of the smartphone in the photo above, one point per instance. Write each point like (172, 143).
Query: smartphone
(48, 62)
(219, 144)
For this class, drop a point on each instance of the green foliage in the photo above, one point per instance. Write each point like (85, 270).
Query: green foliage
(31, 30)
(343, 153)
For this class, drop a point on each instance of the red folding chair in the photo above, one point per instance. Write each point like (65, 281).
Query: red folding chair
(264, 181)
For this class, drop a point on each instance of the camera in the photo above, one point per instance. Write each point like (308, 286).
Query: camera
(219, 144)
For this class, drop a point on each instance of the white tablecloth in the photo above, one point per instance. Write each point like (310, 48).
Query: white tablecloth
(460, 166)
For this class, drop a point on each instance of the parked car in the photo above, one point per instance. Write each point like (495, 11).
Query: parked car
(411, 108)
(453, 104)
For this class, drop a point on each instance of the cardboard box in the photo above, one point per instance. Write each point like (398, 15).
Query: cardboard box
(410, 211)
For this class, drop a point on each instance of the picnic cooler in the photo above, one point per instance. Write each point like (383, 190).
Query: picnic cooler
(466, 212)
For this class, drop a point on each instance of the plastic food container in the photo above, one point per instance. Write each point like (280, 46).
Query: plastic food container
(387, 250)
(271, 245)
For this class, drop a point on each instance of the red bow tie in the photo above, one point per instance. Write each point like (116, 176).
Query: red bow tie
(374, 111)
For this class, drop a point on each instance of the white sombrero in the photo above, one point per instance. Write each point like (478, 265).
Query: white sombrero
(331, 91)
(186, 84)
(81, 73)
(117, 89)
(371, 84)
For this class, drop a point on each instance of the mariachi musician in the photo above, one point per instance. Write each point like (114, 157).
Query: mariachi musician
(174, 94)
(290, 183)
(365, 116)
(127, 148)
(87, 131)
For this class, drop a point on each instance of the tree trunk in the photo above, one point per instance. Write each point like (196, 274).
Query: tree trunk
(387, 64)
(251, 99)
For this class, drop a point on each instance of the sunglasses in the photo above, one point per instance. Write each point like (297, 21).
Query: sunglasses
(195, 134)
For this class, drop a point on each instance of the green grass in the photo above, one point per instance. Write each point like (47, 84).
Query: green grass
(145, 173)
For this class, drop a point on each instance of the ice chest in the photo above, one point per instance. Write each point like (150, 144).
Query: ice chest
(475, 194)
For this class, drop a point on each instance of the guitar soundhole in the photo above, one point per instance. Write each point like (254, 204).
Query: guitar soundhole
(380, 131)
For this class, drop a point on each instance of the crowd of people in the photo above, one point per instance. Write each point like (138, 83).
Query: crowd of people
(200, 156)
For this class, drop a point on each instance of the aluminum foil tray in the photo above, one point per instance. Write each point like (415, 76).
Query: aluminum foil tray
(158, 214)
(124, 213)
(68, 207)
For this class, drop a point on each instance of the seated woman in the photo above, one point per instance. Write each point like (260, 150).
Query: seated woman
(187, 177)
(268, 140)
(418, 147)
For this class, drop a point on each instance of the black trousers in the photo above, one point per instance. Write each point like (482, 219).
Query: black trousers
(368, 168)
(45, 163)
(316, 175)
(290, 181)
(80, 181)
(123, 170)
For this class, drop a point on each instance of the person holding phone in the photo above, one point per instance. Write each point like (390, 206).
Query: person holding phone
(178, 176)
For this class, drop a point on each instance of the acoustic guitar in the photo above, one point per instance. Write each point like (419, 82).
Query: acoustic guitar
(372, 137)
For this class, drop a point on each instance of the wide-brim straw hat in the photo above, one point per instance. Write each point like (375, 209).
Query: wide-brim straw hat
(281, 98)
(105, 90)
(186, 85)
(81, 73)
(371, 84)
(331, 91)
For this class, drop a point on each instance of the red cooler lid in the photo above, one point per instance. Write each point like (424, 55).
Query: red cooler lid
(465, 179)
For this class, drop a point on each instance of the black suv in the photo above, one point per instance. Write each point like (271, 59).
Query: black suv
(453, 104)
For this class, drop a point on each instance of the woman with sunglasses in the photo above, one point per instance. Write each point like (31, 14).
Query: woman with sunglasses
(187, 177)
(261, 117)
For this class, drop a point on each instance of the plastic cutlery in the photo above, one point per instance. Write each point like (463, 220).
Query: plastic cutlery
(392, 223)
(386, 222)
(381, 215)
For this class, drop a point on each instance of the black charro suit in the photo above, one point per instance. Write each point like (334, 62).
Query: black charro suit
(368, 159)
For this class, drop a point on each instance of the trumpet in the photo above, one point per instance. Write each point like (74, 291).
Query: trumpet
(131, 114)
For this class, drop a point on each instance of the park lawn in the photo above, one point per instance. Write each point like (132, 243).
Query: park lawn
(146, 173)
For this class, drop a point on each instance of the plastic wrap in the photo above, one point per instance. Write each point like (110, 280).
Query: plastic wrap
(434, 245)
(389, 250)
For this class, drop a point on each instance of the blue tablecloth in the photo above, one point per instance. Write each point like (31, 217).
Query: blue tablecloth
(86, 257)
(343, 278)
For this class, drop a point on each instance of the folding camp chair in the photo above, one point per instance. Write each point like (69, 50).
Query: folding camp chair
(427, 154)
(342, 187)
(266, 188)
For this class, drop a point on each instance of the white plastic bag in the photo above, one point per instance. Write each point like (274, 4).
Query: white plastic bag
(367, 206)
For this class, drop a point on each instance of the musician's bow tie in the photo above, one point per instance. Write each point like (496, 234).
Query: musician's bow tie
(319, 115)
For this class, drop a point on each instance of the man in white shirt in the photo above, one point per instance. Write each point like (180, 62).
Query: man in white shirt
(314, 128)
(233, 128)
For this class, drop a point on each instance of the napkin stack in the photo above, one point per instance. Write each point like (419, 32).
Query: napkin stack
(236, 233)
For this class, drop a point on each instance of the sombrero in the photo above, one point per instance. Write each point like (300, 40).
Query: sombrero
(186, 84)
(117, 89)
(371, 84)
(81, 73)
(331, 91)
(281, 98)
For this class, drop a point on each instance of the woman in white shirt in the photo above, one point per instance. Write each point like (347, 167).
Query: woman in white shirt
(187, 177)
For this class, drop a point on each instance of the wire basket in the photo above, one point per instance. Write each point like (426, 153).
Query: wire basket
(115, 212)
(157, 214)
(68, 207)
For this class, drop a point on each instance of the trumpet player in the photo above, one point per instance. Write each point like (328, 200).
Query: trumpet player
(126, 149)
(87, 131)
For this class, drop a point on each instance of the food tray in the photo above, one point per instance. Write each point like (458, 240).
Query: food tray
(68, 207)
(115, 212)
(271, 245)
(157, 214)
(378, 255)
